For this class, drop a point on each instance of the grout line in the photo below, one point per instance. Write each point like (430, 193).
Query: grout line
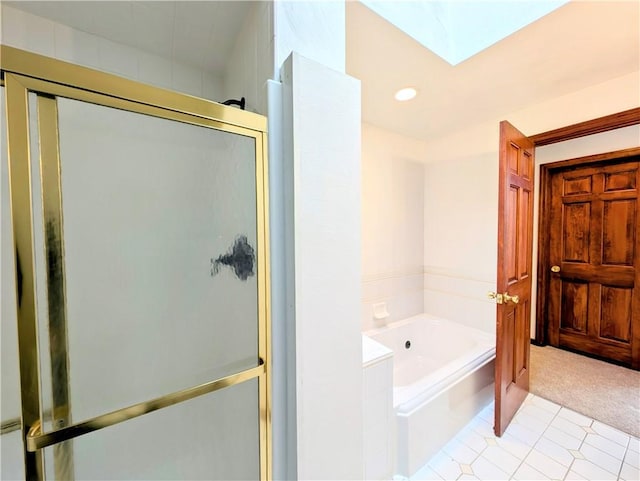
(476, 297)
(390, 275)
(570, 467)
(624, 457)
(386, 298)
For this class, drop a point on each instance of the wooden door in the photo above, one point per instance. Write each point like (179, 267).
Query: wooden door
(513, 314)
(594, 230)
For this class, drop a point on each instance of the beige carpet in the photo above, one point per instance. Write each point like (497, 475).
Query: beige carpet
(600, 390)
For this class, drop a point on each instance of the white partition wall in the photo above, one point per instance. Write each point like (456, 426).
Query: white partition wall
(322, 214)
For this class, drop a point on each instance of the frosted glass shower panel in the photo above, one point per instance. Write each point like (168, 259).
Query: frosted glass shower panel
(207, 438)
(160, 247)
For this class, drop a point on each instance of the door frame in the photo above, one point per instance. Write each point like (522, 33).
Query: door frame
(546, 173)
(590, 127)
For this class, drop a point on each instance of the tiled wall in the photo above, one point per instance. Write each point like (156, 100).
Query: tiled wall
(454, 296)
(392, 224)
(401, 293)
(251, 63)
(460, 261)
(30, 32)
(378, 415)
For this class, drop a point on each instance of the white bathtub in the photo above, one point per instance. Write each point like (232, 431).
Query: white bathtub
(442, 377)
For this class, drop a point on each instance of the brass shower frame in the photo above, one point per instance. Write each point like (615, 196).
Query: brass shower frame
(24, 72)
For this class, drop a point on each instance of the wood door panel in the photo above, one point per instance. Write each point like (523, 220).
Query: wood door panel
(513, 158)
(615, 319)
(574, 305)
(509, 326)
(575, 226)
(594, 306)
(618, 231)
(514, 355)
(521, 342)
(625, 180)
(524, 228)
(526, 165)
(578, 185)
(511, 238)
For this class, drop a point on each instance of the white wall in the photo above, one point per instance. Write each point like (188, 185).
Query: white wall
(461, 205)
(615, 95)
(461, 198)
(36, 34)
(322, 185)
(251, 62)
(313, 29)
(618, 139)
(392, 224)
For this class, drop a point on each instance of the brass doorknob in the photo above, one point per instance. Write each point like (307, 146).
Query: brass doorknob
(503, 298)
(555, 268)
(508, 298)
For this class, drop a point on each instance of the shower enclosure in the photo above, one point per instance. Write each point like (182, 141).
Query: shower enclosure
(135, 318)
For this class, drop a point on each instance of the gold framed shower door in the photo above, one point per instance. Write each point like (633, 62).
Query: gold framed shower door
(24, 73)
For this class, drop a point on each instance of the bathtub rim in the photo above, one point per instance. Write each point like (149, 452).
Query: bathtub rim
(411, 406)
(485, 352)
(489, 336)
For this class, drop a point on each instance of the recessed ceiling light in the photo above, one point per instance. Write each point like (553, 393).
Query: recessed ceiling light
(405, 94)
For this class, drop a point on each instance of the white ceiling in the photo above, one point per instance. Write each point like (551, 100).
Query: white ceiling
(200, 34)
(580, 44)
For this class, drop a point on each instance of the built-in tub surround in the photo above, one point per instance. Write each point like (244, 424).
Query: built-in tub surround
(442, 377)
(378, 418)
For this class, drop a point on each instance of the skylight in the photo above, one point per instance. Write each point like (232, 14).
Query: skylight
(458, 29)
